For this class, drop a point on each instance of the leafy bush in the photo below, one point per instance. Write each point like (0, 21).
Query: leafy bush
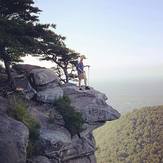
(135, 137)
(73, 120)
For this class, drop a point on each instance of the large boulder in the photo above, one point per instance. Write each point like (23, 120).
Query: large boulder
(91, 103)
(80, 149)
(49, 95)
(13, 140)
(59, 146)
(38, 76)
(25, 68)
(53, 141)
(47, 85)
(42, 77)
(44, 81)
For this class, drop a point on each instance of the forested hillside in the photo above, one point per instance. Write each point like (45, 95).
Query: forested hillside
(136, 137)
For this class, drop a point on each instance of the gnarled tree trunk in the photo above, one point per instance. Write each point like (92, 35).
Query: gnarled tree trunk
(66, 75)
(5, 57)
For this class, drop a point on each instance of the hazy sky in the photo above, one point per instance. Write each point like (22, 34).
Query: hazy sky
(121, 38)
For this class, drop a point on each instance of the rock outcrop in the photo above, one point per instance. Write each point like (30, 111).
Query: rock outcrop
(92, 104)
(44, 81)
(13, 137)
(47, 85)
(13, 140)
(55, 140)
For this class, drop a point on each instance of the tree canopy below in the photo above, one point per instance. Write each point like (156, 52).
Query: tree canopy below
(136, 137)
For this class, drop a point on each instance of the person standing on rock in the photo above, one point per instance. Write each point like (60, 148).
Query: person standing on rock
(81, 72)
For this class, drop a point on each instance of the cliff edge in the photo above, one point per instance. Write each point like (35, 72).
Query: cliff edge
(40, 87)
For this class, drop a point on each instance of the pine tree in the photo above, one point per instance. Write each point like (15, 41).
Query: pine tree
(65, 60)
(15, 17)
(21, 33)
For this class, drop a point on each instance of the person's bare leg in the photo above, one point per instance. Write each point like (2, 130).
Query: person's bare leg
(79, 83)
(85, 81)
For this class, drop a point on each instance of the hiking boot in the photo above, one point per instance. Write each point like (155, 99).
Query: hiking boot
(87, 88)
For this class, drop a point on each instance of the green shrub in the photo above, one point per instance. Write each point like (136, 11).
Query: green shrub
(20, 113)
(73, 120)
(18, 110)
